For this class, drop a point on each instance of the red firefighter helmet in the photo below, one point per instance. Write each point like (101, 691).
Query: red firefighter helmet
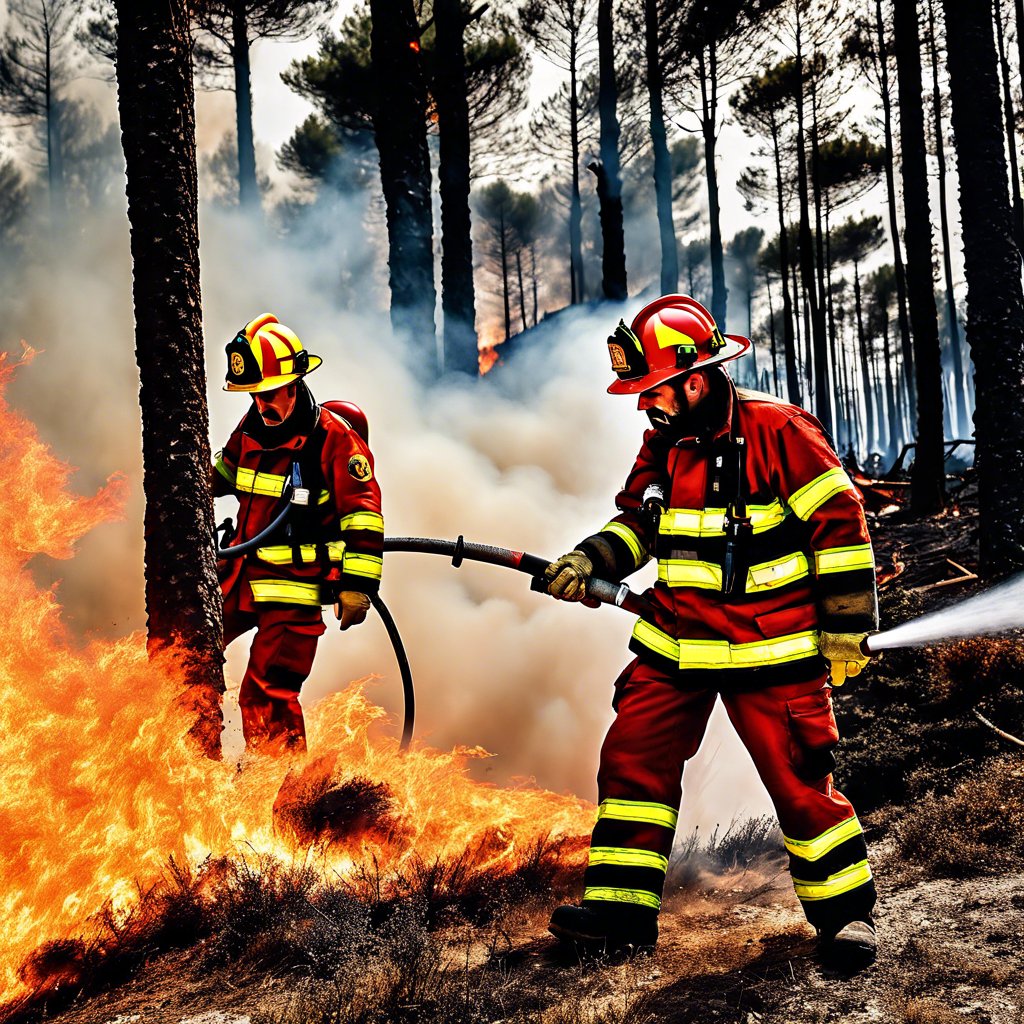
(668, 337)
(265, 355)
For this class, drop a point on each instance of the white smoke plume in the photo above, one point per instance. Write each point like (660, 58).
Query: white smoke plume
(529, 458)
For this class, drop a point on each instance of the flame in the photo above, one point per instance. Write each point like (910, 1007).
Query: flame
(101, 787)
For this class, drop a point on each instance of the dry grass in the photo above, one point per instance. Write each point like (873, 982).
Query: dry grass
(974, 830)
(928, 1011)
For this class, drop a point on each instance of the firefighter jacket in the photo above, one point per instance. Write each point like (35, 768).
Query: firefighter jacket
(334, 543)
(804, 562)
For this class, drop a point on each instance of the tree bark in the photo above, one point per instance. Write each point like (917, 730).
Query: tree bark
(248, 189)
(156, 104)
(813, 323)
(400, 133)
(458, 299)
(1011, 134)
(662, 161)
(890, 186)
(927, 477)
(963, 416)
(609, 179)
(576, 203)
(995, 303)
(709, 127)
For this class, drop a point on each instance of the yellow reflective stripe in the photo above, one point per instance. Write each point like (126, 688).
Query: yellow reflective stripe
(766, 517)
(721, 653)
(806, 501)
(683, 572)
(777, 573)
(614, 895)
(816, 848)
(325, 496)
(225, 469)
(268, 484)
(627, 858)
(710, 522)
(835, 885)
(363, 521)
(362, 565)
(281, 554)
(629, 538)
(692, 522)
(638, 810)
(285, 591)
(854, 556)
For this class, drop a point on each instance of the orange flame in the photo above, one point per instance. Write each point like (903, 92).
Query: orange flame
(101, 787)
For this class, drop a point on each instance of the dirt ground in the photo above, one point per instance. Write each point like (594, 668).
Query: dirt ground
(735, 950)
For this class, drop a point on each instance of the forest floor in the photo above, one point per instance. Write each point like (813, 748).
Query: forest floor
(941, 796)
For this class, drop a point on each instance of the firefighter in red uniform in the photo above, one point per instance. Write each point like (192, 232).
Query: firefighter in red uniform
(765, 593)
(328, 551)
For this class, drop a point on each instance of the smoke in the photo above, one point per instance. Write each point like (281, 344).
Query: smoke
(529, 458)
(996, 610)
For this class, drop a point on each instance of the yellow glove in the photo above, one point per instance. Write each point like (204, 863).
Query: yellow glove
(568, 576)
(845, 653)
(351, 608)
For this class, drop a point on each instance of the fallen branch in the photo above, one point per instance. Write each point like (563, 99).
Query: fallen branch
(995, 728)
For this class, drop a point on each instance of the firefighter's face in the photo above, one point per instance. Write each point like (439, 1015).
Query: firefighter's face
(277, 405)
(668, 405)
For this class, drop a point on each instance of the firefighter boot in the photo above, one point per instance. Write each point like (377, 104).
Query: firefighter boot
(602, 928)
(851, 949)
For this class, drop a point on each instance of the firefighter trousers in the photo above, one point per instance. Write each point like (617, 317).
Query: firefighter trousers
(280, 659)
(790, 733)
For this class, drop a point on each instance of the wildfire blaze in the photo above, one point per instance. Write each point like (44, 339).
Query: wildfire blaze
(100, 786)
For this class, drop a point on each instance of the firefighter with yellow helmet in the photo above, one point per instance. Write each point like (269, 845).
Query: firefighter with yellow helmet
(289, 451)
(765, 593)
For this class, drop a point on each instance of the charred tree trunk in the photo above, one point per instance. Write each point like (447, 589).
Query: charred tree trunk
(995, 304)
(890, 393)
(963, 416)
(813, 322)
(928, 476)
(609, 179)
(772, 333)
(890, 185)
(659, 143)
(503, 250)
(155, 100)
(399, 125)
(522, 289)
(1011, 134)
(576, 203)
(826, 386)
(862, 350)
(709, 127)
(458, 299)
(248, 189)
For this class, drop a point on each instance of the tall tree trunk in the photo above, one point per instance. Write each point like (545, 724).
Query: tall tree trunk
(575, 204)
(659, 143)
(522, 290)
(862, 350)
(54, 148)
(248, 189)
(890, 185)
(399, 122)
(814, 329)
(156, 104)
(533, 279)
(772, 333)
(959, 381)
(609, 180)
(503, 244)
(995, 304)
(1011, 134)
(709, 128)
(890, 392)
(825, 386)
(458, 300)
(928, 475)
